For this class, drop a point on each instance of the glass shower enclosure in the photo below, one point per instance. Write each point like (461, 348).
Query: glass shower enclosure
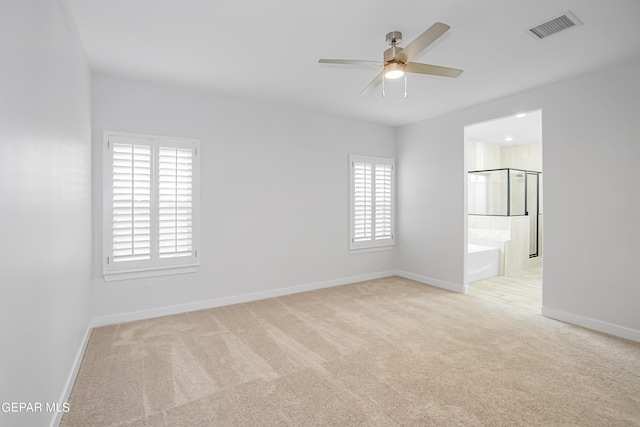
(507, 192)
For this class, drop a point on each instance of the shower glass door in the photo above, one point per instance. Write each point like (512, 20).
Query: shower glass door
(533, 211)
(517, 193)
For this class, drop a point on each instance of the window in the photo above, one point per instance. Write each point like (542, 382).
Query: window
(372, 202)
(151, 205)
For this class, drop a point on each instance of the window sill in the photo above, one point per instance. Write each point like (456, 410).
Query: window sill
(113, 276)
(354, 251)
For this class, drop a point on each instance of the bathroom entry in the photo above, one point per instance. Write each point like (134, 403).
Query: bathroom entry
(504, 209)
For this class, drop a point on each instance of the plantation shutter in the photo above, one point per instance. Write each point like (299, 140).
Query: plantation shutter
(371, 202)
(131, 201)
(362, 194)
(151, 205)
(175, 202)
(383, 201)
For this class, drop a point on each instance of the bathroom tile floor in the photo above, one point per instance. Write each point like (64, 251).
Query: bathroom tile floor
(522, 290)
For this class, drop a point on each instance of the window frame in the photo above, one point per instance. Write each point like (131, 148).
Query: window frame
(155, 266)
(372, 244)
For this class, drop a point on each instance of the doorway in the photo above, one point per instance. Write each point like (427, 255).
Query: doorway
(504, 210)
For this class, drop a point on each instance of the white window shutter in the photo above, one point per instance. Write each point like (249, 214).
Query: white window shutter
(131, 202)
(383, 202)
(362, 202)
(151, 205)
(372, 204)
(175, 202)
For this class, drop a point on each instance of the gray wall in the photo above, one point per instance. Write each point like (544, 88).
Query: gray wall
(45, 193)
(274, 197)
(590, 155)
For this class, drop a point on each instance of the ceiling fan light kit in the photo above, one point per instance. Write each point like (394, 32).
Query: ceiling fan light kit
(397, 61)
(394, 70)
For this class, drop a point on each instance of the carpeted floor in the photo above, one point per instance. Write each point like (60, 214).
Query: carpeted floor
(386, 352)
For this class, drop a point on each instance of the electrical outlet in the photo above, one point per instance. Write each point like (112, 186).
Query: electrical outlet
(149, 289)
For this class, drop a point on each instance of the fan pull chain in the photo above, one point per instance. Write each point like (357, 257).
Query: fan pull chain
(383, 79)
(405, 85)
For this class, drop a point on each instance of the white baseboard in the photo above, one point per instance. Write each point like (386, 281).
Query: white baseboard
(71, 379)
(596, 325)
(236, 299)
(433, 282)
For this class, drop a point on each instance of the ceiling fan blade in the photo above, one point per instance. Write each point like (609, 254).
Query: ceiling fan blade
(436, 70)
(414, 48)
(374, 83)
(355, 62)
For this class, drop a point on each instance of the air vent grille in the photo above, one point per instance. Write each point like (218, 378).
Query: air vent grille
(553, 26)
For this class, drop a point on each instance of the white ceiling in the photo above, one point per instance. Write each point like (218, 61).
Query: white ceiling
(269, 50)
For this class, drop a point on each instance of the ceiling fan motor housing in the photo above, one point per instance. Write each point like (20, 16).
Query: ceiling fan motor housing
(390, 54)
(393, 38)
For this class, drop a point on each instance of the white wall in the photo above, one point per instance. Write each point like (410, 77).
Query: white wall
(590, 155)
(431, 218)
(274, 196)
(45, 248)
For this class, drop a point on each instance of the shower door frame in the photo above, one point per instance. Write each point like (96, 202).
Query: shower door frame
(537, 207)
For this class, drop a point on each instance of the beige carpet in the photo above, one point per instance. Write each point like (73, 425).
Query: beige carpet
(385, 352)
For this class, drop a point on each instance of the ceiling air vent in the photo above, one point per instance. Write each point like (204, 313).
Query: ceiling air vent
(555, 25)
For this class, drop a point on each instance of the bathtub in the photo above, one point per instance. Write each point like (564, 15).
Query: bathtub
(482, 262)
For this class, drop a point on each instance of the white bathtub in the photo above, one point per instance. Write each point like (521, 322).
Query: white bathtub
(482, 262)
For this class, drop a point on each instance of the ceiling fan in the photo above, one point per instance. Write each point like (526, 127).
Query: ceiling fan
(397, 60)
